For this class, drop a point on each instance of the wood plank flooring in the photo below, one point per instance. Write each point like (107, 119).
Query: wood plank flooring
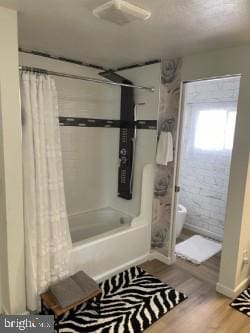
(205, 311)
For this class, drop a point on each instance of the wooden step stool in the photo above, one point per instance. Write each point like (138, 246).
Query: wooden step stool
(49, 304)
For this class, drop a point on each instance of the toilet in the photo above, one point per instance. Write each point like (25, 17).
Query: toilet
(181, 214)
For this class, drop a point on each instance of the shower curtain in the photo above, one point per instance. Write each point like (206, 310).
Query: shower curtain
(47, 237)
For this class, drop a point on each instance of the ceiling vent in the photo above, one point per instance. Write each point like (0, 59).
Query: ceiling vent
(120, 12)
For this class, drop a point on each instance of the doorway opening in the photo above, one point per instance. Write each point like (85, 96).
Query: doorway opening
(208, 117)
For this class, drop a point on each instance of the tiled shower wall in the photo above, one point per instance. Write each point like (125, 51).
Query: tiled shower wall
(204, 174)
(90, 155)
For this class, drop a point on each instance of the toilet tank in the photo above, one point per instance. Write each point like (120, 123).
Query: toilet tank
(180, 218)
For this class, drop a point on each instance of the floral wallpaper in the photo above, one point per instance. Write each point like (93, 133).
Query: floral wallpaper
(167, 121)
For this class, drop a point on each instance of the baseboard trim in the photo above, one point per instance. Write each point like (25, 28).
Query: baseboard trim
(203, 232)
(232, 293)
(137, 261)
(121, 268)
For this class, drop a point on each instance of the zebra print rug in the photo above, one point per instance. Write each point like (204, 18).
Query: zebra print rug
(242, 302)
(131, 301)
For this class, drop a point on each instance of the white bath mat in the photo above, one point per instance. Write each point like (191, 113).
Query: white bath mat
(197, 249)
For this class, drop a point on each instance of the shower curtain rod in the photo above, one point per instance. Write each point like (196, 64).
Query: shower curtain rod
(83, 78)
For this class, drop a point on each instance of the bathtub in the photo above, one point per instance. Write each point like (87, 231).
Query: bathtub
(107, 241)
(97, 223)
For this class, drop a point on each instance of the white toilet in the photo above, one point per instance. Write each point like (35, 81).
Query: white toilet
(181, 214)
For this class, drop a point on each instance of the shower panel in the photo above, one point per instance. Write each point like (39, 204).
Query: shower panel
(127, 135)
(127, 143)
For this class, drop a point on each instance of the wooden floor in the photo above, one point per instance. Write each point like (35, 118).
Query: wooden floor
(205, 311)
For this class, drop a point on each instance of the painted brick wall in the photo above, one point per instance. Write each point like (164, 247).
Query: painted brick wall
(204, 174)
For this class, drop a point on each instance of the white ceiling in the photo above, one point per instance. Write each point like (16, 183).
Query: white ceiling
(176, 28)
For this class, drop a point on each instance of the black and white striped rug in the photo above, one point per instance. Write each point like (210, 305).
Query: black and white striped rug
(242, 302)
(131, 301)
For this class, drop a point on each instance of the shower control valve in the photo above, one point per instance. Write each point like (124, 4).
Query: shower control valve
(123, 151)
(124, 160)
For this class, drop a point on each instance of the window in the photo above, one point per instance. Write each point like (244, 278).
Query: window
(215, 129)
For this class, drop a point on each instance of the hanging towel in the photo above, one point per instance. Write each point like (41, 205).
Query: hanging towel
(165, 149)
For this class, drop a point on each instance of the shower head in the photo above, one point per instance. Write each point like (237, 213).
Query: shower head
(114, 77)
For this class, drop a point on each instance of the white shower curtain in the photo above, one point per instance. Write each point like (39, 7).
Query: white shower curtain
(47, 237)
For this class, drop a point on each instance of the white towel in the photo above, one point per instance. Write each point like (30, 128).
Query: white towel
(165, 149)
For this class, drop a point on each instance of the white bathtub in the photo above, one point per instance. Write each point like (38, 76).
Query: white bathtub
(107, 241)
(97, 223)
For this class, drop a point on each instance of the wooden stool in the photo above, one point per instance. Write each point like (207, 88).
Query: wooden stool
(49, 304)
